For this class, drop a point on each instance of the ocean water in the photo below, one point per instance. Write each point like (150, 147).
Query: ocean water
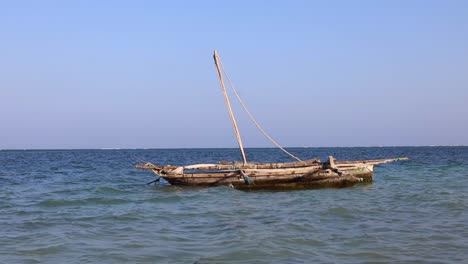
(92, 206)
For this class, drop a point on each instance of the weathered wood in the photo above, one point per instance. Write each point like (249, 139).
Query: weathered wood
(235, 165)
(233, 173)
(257, 165)
(333, 182)
(225, 178)
(228, 104)
(272, 175)
(314, 180)
(374, 162)
(281, 171)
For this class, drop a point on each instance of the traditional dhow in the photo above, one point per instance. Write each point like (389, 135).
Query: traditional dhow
(253, 175)
(306, 174)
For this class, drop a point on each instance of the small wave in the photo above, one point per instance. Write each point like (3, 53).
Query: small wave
(110, 190)
(43, 250)
(338, 211)
(125, 217)
(162, 199)
(369, 256)
(135, 245)
(36, 224)
(87, 201)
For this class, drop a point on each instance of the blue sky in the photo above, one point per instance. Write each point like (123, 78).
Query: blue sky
(139, 74)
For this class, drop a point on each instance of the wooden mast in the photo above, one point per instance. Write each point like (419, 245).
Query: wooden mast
(228, 104)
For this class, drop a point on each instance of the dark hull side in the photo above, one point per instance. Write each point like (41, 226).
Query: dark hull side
(314, 180)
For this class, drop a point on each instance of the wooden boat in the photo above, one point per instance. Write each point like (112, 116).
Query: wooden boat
(301, 174)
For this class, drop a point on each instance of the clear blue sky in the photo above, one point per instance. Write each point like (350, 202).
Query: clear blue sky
(139, 74)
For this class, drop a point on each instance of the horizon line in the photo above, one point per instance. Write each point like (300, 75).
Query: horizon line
(180, 148)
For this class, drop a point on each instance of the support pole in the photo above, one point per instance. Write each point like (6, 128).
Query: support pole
(228, 104)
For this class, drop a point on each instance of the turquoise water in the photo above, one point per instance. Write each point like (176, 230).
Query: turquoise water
(92, 206)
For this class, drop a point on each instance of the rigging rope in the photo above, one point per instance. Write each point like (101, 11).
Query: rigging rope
(251, 116)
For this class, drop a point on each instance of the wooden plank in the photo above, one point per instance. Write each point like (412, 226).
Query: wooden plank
(373, 162)
(230, 166)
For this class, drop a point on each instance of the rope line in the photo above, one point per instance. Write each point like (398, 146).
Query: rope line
(251, 116)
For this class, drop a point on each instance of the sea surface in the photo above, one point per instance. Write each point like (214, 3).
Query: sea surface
(92, 206)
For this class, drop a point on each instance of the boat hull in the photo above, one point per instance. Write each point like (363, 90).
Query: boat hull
(309, 174)
(313, 179)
